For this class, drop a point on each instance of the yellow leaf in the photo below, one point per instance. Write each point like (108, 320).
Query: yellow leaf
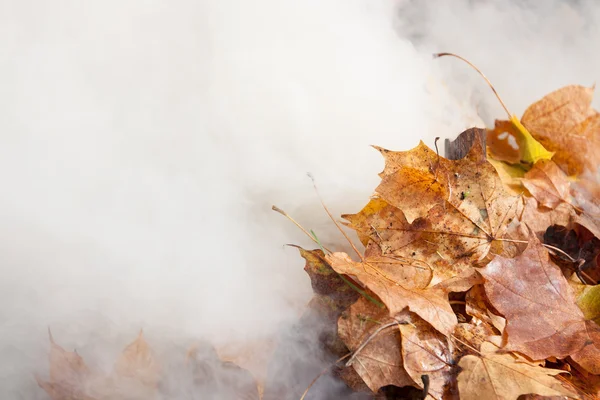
(532, 151)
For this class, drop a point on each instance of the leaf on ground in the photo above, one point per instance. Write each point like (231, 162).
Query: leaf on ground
(497, 376)
(478, 306)
(538, 303)
(589, 302)
(211, 375)
(505, 142)
(443, 241)
(252, 356)
(414, 180)
(327, 282)
(426, 352)
(564, 122)
(538, 219)
(68, 374)
(467, 191)
(138, 362)
(400, 285)
(548, 184)
(379, 363)
(510, 175)
(511, 142)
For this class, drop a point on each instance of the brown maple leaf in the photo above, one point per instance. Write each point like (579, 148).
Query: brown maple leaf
(468, 194)
(425, 351)
(548, 184)
(135, 376)
(564, 122)
(477, 305)
(211, 375)
(415, 180)
(400, 285)
(137, 362)
(68, 374)
(496, 376)
(379, 363)
(538, 219)
(538, 303)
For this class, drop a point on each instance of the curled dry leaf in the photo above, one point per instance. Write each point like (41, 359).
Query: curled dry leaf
(477, 305)
(211, 375)
(400, 285)
(589, 301)
(548, 184)
(565, 123)
(444, 241)
(137, 362)
(69, 374)
(496, 376)
(135, 375)
(538, 303)
(379, 363)
(415, 181)
(426, 352)
(538, 219)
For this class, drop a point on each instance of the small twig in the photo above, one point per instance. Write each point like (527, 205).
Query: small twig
(560, 251)
(321, 374)
(480, 73)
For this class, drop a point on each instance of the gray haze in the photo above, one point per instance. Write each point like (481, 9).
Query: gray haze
(143, 142)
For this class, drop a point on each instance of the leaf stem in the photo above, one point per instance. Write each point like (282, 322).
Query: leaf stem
(437, 55)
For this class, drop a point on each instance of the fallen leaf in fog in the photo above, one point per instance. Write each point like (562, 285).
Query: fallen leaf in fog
(547, 183)
(379, 363)
(426, 352)
(211, 375)
(417, 180)
(511, 142)
(539, 219)
(497, 376)
(395, 284)
(137, 362)
(68, 374)
(564, 122)
(538, 303)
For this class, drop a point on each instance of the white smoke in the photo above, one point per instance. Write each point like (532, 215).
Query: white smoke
(142, 144)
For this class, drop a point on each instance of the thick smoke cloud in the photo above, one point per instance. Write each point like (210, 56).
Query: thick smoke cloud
(142, 144)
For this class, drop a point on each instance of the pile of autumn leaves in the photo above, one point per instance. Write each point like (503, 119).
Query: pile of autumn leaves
(478, 278)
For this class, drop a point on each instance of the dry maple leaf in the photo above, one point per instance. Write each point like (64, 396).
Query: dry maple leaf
(400, 285)
(135, 375)
(477, 305)
(538, 219)
(548, 184)
(426, 352)
(211, 375)
(443, 241)
(414, 180)
(68, 374)
(588, 299)
(468, 189)
(564, 122)
(379, 363)
(493, 376)
(137, 362)
(538, 303)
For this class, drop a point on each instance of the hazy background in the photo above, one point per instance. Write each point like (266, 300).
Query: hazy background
(143, 142)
